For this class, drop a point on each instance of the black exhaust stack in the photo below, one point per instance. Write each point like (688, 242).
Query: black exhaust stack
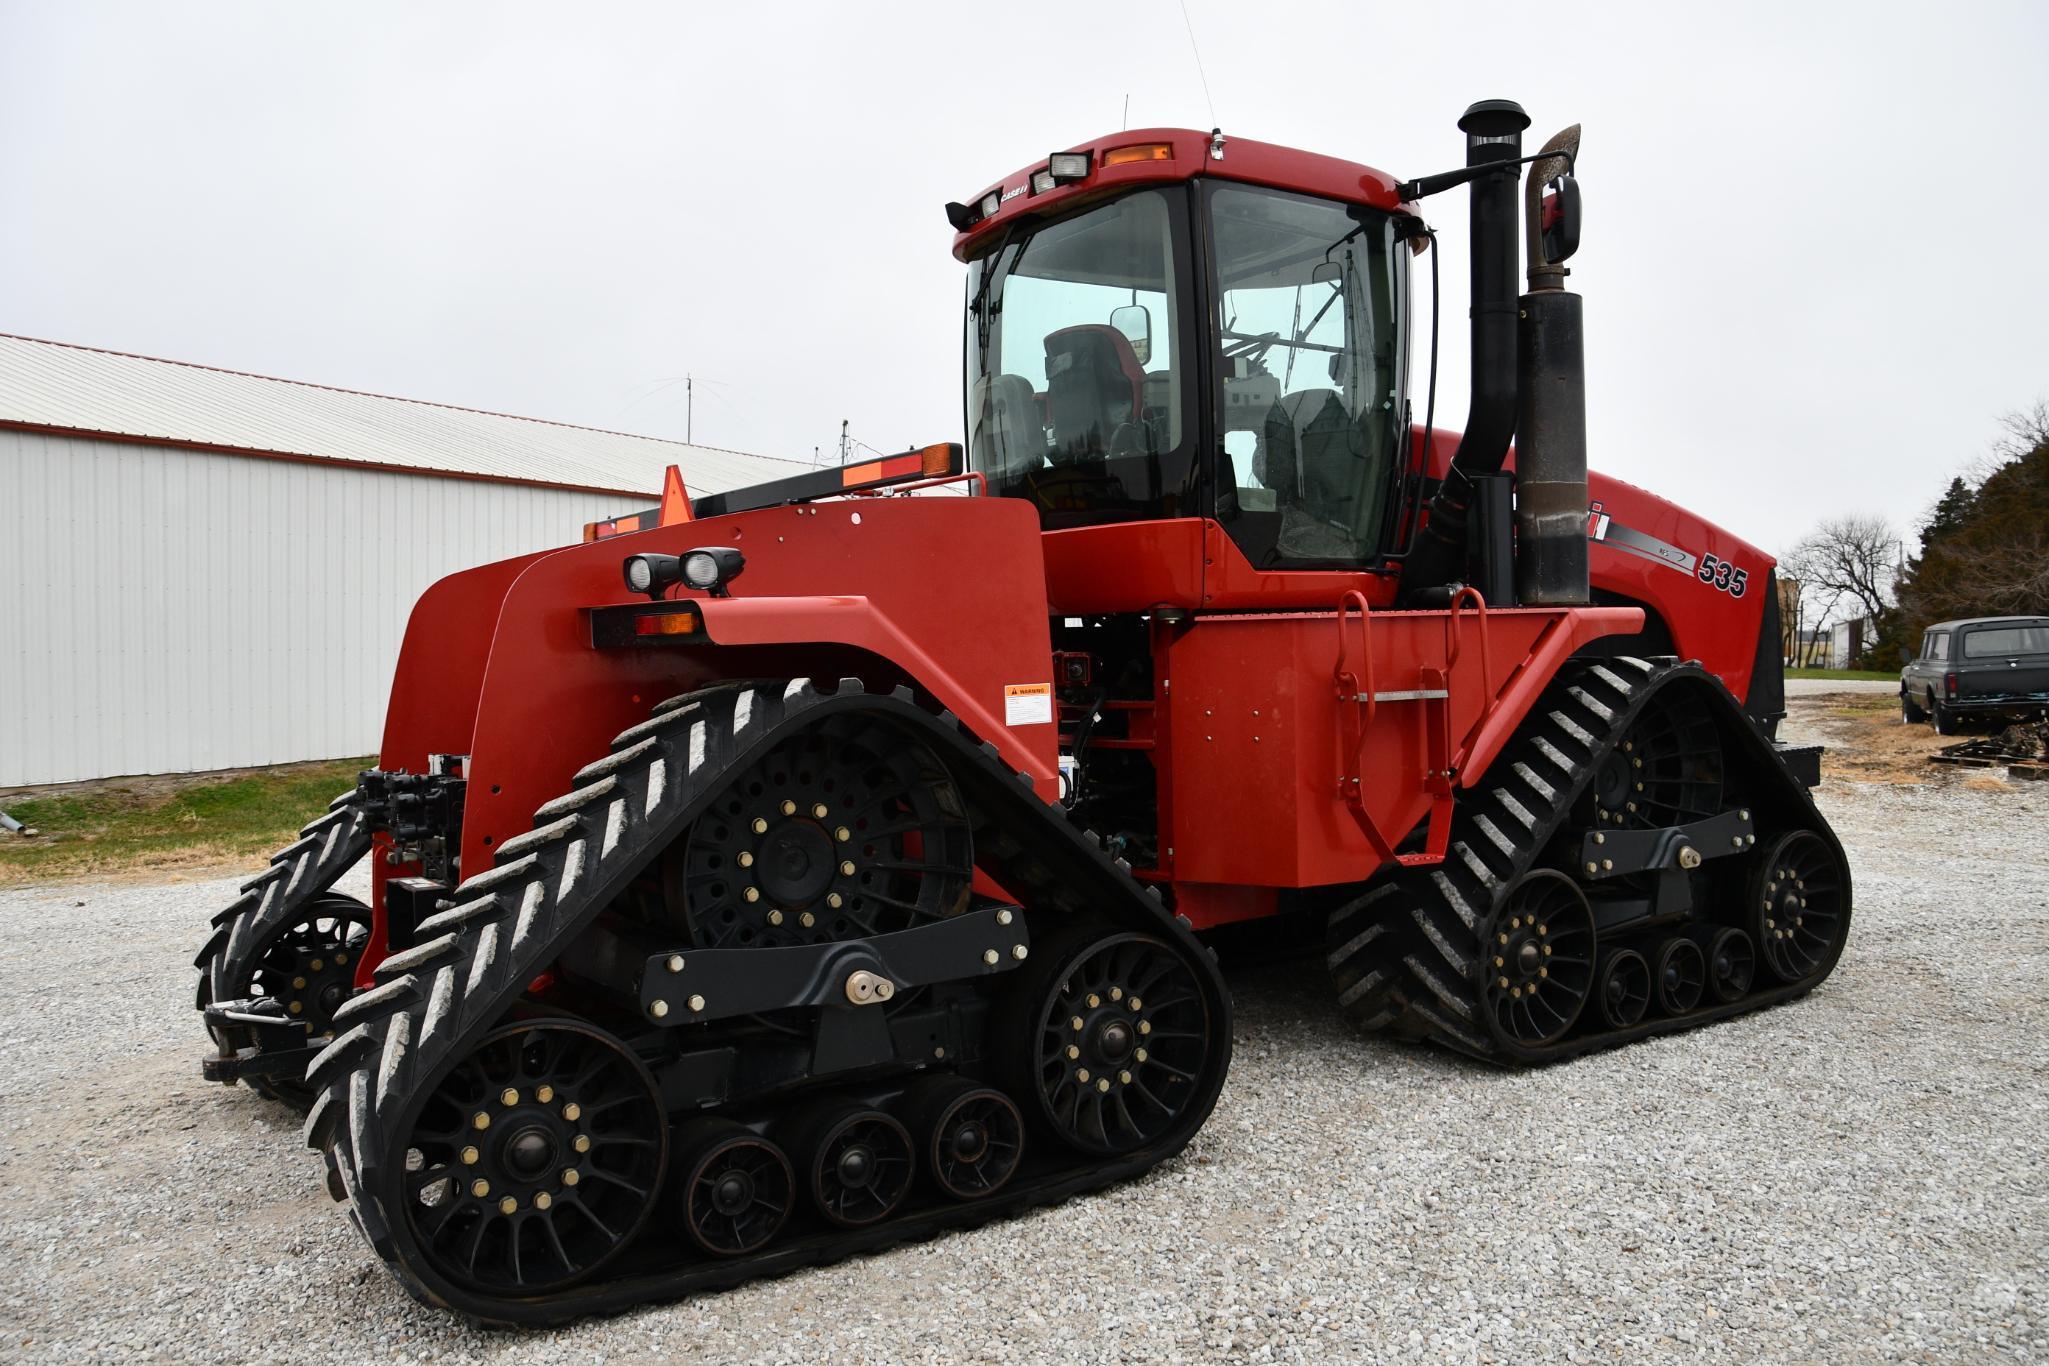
(1551, 410)
(1493, 130)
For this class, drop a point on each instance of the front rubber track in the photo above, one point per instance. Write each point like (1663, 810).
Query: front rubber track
(472, 961)
(1404, 955)
(299, 874)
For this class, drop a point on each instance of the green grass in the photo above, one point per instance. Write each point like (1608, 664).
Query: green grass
(129, 824)
(1842, 674)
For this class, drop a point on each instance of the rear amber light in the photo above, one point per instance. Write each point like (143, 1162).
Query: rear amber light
(896, 467)
(666, 624)
(619, 526)
(1139, 151)
(936, 460)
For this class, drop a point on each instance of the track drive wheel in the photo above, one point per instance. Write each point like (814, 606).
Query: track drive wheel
(1541, 960)
(1120, 1040)
(534, 1162)
(1799, 907)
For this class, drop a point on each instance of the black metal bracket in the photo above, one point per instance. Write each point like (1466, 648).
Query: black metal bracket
(685, 985)
(262, 1041)
(1618, 853)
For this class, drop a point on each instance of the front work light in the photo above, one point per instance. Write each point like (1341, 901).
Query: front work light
(650, 574)
(1066, 166)
(712, 568)
(991, 202)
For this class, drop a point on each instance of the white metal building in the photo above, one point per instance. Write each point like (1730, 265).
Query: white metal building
(204, 569)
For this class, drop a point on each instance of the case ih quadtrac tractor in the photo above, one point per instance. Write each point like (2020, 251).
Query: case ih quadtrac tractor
(818, 866)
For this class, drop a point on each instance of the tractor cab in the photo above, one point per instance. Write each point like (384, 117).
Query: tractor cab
(1174, 327)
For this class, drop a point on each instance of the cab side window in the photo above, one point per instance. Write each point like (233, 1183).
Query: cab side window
(1936, 646)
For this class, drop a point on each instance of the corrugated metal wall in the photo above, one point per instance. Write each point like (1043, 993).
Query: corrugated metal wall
(165, 610)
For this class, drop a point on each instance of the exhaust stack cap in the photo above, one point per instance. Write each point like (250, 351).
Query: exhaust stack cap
(1493, 121)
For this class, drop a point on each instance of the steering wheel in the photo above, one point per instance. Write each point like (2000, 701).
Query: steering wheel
(1254, 347)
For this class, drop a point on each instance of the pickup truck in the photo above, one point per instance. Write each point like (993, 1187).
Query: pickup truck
(1989, 668)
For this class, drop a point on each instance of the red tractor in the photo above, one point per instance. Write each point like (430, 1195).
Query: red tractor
(822, 866)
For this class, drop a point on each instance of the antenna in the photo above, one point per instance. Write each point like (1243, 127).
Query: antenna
(843, 441)
(1192, 47)
(689, 409)
(1127, 108)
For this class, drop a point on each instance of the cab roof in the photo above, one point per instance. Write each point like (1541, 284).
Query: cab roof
(1165, 155)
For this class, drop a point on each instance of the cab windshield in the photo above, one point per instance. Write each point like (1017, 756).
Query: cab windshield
(1078, 391)
(1310, 404)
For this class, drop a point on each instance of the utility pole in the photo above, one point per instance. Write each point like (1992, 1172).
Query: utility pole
(689, 409)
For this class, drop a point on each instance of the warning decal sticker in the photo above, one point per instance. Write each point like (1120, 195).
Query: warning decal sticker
(1027, 704)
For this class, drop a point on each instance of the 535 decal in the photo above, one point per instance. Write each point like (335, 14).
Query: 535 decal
(1719, 573)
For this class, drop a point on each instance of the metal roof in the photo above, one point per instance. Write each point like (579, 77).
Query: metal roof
(59, 386)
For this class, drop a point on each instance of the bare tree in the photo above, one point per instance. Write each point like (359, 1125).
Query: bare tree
(1848, 558)
(2027, 430)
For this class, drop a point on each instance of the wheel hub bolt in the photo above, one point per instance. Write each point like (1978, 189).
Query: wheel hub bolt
(470, 1156)
(571, 1111)
(480, 1188)
(819, 811)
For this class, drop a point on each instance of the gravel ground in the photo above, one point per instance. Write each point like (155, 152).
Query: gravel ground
(1855, 1176)
(1812, 687)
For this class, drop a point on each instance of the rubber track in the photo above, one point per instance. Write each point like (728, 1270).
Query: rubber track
(276, 898)
(471, 962)
(1406, 956)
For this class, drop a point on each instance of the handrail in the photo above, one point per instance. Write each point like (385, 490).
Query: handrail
(1455, 646)
(1348, 684)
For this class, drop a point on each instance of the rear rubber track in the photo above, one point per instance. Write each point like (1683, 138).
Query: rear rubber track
(1407, 955)
(279, 897)
(472, 961)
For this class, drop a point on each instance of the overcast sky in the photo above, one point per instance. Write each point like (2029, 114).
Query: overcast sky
(1814, 258)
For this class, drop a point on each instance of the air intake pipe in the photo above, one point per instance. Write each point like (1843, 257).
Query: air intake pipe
(1493, 130)
(1551, 387)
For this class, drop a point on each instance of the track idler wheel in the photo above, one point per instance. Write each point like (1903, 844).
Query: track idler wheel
(1622, 988)
(973, 1135)
(857, 1164)
(1541, 960)
(307, 965)
(535, 1161)
(1799, 906)
(733, 1189)
(1679, 974)
(1121, 1041)
(1731, 962)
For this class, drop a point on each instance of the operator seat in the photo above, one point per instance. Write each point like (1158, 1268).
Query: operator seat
(1312, 457)
(1094, 385)
(1009, 436)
